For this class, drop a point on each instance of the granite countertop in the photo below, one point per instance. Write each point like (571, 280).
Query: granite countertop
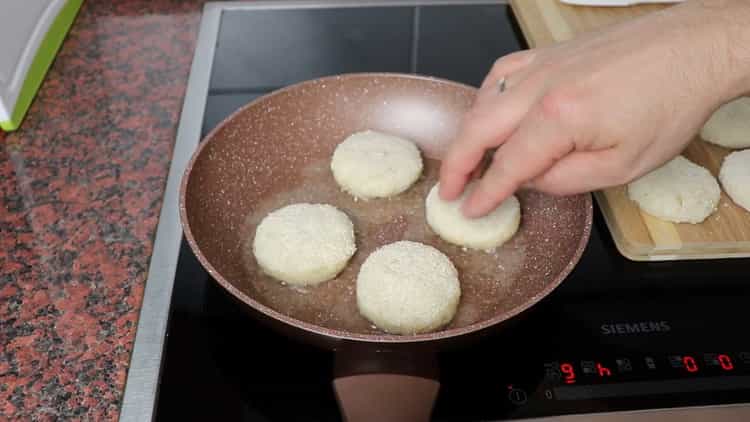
(81, 185)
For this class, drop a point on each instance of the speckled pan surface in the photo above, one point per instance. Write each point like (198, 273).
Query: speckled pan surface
(276, 151)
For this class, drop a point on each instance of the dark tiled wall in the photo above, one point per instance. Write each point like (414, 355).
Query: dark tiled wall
(262, 50)
(461, 43)
(272, 48)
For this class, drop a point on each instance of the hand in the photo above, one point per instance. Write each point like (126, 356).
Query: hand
(599, 110)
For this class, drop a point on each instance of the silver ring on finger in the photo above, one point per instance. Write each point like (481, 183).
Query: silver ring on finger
(501, 85)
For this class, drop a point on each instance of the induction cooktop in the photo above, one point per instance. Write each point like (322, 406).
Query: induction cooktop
(618, 340)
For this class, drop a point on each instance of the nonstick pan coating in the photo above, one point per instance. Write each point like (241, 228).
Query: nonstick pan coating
(276, 151)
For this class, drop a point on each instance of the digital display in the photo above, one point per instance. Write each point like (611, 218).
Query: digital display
(571, 372)
(629, 381)
(690, 364)
(602, 370)
(636, 375)
(726, 362)
(625, 381)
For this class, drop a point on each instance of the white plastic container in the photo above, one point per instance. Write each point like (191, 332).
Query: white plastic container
(31, 32)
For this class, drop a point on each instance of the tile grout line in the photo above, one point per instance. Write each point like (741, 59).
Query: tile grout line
(415, 38)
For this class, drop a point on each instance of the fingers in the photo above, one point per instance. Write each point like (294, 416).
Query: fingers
(489, 122)
(587, 171)
(486, 126)
(511, 69)
(503, 68)
(583, 171)
(538, 143)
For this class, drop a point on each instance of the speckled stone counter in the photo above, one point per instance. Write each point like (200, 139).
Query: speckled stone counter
(81, 185)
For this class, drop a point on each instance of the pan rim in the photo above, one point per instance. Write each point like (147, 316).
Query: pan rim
(443, 334)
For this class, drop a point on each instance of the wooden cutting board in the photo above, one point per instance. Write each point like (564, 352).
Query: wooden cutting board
(637, 235)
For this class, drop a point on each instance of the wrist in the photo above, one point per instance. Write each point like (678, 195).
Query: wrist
(729, 38)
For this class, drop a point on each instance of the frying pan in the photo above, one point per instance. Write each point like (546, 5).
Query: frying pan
(276, 151)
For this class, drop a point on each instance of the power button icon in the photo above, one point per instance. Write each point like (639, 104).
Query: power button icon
(517, 396)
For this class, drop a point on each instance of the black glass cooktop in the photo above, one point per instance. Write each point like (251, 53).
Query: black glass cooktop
(616, 335)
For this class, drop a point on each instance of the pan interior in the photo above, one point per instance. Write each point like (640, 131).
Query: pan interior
(276, 151)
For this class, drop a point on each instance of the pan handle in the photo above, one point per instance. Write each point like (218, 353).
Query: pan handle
(374, 385)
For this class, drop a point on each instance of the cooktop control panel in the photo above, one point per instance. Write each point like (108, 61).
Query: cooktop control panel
(668, 377)
(633, 353)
